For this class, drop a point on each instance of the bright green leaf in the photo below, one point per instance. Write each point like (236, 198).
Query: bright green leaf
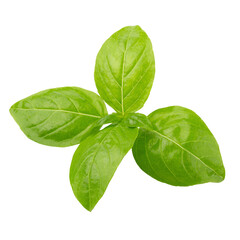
(59, 117)
(180, 150)
(137, 120)
(113, 118)
(96, 160)
(125, 69)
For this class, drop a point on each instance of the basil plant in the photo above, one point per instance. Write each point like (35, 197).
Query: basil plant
(172, 145)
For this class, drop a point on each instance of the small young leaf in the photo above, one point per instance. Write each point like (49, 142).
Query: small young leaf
(125, 69)
(95, 161)
(180, 150)
(137, 120)
(113, 118)
(59, 117)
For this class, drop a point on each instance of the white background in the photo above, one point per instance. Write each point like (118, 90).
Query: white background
(46, 44)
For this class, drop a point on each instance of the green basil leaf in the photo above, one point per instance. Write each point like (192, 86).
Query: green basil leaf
(59, 117)
(113, 118)
(95, 161)
(125, 69)
(137, 120)
(180, 150)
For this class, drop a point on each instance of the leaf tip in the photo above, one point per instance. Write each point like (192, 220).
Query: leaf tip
(89, 207)
(11, 110)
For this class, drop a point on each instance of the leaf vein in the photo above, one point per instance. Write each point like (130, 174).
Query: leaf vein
(100, 74)
(114, 78)
(171, 140)
(139, 80)
(184, 167)
(40, 123)
(166, 163)
(68, 99)
(136, 61)
(59, 128)
(57, 110)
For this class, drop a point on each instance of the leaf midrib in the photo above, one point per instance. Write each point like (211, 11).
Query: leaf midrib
(90, 170)
(57, 110)
(123, 69)
(184, 149)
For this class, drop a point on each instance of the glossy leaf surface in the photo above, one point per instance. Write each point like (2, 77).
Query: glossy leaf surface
(180, 150)
(96, 160)
(137, 120)
(125, 69)
(60, 116)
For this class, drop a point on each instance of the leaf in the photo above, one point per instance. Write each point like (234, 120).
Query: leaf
(113, 118)
(137, 120)
(180, 150)
(125, 69)
(59, 117)
(95, 161)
